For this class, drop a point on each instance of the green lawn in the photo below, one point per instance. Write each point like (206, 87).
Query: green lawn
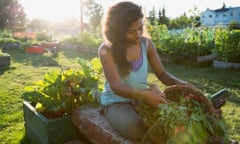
(27, 68)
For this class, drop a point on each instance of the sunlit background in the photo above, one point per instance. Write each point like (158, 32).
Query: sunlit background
(41, 35)
(65, 9)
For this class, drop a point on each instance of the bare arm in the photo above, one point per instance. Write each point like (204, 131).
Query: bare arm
(112, 75)
(158, 68)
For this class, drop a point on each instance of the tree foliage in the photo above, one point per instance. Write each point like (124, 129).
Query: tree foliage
(38, 24)
(180, 22)
(94, 11)
(152, 16)
(12, 14)
(233, 25)
(162, 18)
(177, 23)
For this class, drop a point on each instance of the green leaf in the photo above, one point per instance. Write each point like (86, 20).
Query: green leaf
(196, 117)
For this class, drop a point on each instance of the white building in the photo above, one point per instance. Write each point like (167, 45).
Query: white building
(220, 17)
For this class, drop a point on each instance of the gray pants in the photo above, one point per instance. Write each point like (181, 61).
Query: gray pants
(124, 119)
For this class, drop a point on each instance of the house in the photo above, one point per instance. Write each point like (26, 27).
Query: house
(220, 17)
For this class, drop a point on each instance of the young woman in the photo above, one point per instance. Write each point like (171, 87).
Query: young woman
(125, 55)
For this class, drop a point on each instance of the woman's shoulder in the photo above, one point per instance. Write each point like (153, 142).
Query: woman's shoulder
(146, 41)
(104, 48)
(105, 45)
(145, 38)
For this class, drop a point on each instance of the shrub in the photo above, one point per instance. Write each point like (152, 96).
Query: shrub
(90, 39)
(228, 45)
(43, 36)
(233, 25)
(188, 44)
(5, 34)
(3, 53)
(71, 41)
(9, 41)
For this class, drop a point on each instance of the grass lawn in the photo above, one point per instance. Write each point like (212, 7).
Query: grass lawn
(28, 68)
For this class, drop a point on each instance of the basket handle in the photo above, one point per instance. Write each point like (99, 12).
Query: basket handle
(194, 91)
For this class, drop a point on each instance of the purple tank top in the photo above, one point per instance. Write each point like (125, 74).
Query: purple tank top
(137, 64)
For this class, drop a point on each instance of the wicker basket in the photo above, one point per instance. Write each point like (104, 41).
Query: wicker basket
(193, 93)
(150, 136)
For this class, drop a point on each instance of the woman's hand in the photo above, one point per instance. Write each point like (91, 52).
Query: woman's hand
(154, 97)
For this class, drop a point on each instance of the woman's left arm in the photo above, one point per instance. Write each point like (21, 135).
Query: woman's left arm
(157, 67)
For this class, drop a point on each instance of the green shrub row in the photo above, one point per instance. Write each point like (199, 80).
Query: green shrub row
(7, 38)
(86, 39)
(184, 44)
(190, 43)
(228, 45)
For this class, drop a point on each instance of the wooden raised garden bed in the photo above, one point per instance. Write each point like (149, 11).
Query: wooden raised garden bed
(40, 130)
(11, 46)
(225, 65)
(206, 58)
(5, 61)
(188, 60)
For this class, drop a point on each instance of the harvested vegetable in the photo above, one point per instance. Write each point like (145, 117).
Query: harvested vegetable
(188, 118)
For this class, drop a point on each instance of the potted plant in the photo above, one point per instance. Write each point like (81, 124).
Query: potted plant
(4, 59)
(49, 102)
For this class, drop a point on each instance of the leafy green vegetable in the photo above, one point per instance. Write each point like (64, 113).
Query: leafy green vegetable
(183, 121)
(3, 53)
(61, 91)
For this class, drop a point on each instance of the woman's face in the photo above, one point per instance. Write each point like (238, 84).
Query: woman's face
(134, 32)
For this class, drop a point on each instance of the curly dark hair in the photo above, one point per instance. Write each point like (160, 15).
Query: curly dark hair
(115, 24)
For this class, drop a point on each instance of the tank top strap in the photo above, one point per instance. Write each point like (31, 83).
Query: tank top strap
(144, 43)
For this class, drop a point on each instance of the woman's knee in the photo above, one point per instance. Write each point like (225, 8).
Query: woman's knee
(126, 121)
(135, 130)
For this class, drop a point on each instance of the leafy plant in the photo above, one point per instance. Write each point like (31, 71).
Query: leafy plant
(184, 119)
(73, 40)
(4, 41)
(3, 53)
(43, 36)
(228, 45)
(5, 33)
(189, 120)
(90, 39)
(187, 45)
(61, 91)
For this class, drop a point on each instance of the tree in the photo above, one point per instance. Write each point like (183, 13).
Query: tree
(152, 16)
(94, 11)
(162, 18)
(233, 25)
(180, 22)
(3, 16)
(12, 14)
(195, 18)
(159, 16)
(38, 25)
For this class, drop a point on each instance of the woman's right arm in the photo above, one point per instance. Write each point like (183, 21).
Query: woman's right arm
(111, 73)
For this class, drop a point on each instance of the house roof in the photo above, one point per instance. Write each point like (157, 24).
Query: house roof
(223, 9)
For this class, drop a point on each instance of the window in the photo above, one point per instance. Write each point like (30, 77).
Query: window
(210, 16)
(231, 13)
